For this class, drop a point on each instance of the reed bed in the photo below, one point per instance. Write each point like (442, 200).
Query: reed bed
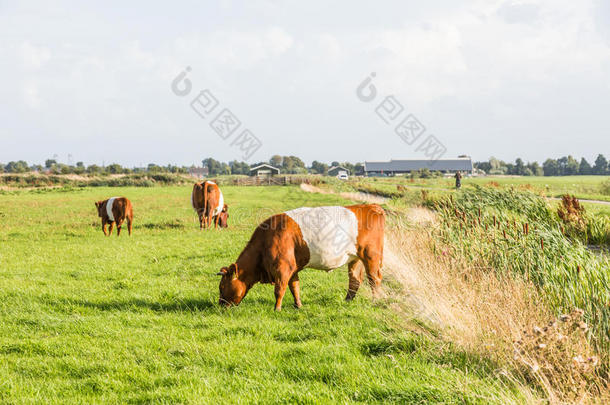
(517, 232)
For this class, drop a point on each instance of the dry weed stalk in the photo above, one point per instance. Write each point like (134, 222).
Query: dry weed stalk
(497, 316)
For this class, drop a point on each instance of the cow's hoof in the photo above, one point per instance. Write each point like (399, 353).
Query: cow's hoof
(297, 305)
(349, 297)
(278, 309)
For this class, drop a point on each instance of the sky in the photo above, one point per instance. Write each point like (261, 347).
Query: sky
(99, 82)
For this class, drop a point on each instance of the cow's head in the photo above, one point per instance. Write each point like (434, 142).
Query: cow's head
(232, 289)
(223, 217)
(98, 205)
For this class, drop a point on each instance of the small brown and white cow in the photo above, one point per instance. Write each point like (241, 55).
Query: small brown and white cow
(115, 209)
(322, 238)
(208, 201)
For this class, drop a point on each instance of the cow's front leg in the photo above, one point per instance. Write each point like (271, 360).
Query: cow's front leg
(280, 290)
(110, 228)
(104, 228)
(295, 290)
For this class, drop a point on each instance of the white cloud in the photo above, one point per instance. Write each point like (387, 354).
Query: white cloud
(34, 57)
(470, 70)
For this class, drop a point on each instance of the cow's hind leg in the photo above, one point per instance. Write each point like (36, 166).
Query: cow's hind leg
(293, 284)
(119, 225)
(372, 264)
(129, 223)
(355, 272)
(286, 270)
(200, 220)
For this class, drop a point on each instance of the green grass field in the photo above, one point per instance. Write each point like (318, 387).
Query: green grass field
(85, 318)
(584, 187)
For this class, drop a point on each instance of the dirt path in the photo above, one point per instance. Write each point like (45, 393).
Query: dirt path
(355, 196)
(585, 201)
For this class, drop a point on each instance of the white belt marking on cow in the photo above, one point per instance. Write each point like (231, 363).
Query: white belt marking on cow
(221, 203)
(109, 205)
(330, 233)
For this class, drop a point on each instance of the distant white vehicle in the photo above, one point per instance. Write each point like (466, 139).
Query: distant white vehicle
(342, 175)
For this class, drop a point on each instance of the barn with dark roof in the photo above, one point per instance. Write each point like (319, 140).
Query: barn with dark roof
(394, 167)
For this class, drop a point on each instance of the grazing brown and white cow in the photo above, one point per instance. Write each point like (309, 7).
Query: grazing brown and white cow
(208, 201)
(322, 238)
(115, 209)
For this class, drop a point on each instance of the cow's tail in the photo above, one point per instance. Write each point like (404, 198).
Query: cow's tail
(194, 195)
(205, 198)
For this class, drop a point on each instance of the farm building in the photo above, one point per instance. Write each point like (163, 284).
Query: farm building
(393, 167)
(335, 170)
(264, 170)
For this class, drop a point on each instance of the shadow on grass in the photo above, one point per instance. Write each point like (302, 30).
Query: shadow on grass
(149, 225)
(184, 305)
(163, 225)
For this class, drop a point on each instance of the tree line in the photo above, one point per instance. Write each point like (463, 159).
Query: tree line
(564, 166)
(286, 164)
(51, 166)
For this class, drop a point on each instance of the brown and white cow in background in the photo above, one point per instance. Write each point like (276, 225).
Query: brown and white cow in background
(115, 209)
(322, 238)
(208, 201)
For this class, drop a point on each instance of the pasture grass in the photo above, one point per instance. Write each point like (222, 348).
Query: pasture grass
(583, 187)
(85, 318)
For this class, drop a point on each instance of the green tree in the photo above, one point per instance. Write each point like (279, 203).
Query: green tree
(485, 166)
(214, 166)
(276, 161)
(571, 167)
(497, 166)
(292, 165)
(601, 165)
(20, 166)
(114, 168)
(519, 168)
(584, 167)
(349, 167)
(49, 163)
(535, 169)
(550, 167)
(319, 167)
(94, 169)
(64, 169)
(239, 167)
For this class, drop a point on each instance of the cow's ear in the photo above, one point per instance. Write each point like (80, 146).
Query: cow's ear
(234, 270)
(223, 271)
(97, 204)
